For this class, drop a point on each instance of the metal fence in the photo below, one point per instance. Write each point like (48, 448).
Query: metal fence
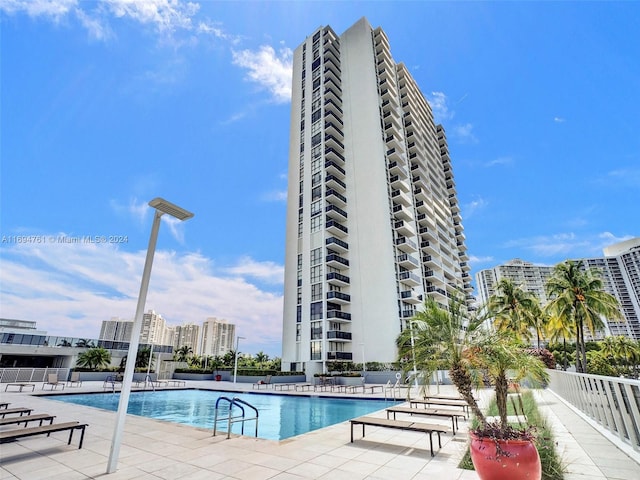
(614, 403)
(31, 375)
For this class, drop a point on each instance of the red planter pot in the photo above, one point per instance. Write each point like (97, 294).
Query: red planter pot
(521, 463)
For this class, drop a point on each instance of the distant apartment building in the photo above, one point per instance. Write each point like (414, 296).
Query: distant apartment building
(373, 220)
(530, 277)
(187, 335)
(217, 337)
(153, 328)
(116, 330)
(619, 270)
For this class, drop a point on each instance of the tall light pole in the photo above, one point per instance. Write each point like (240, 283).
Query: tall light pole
(161, 207)
(235, 363)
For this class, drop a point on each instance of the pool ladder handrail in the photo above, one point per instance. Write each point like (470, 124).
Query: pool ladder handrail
(234, 419)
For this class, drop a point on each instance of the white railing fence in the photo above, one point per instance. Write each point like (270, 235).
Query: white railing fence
(30, 375)
(613, 403)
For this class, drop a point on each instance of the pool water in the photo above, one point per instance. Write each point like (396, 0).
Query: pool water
(280, 416)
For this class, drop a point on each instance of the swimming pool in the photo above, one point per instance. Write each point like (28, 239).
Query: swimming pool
(280, 416)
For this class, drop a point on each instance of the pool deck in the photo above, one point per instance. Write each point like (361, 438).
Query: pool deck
(154, 449)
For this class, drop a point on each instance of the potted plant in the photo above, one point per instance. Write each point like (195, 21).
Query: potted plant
(216, 363)
(498, 449)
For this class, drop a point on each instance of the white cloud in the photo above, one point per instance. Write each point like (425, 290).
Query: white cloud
(559, 119)
(475, 260)
(464, 133)
(52, 9)
(499, 161)
(275, 196)
(624, 177)
(475, 205)
(166, 16)
(568, 245)
(439, 107)
(268, 69)
(70, 288)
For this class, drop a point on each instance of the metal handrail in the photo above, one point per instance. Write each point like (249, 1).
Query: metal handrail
(233, 419)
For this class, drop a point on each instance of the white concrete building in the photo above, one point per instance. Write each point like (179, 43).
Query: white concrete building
(373, 221)
(188, 335)
(619, 269)
(116, 329)
(217, 337)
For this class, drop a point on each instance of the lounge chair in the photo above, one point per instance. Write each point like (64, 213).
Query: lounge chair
(74, 380)
(52, 379)
(266, 382)
(401, 425)
(40, 417)
(11, 435)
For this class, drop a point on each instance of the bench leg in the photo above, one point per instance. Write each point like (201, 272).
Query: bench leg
(431, 443)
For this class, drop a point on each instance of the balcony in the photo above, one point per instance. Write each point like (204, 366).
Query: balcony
(335, 278)
(338, 335)
(406, 245)
(399, 196)
(338, 314)
(336, 197)
(334, 260)
(401, 212)
(409, 296)
(334, 182)
(407, 261)
(335, 228)
(409, 278)
(333, 168)
(333, 128)
(420, 193)
(338, 297)
(333, 142)
(332, 106)
(334, 155)
(335, 212)
(339, 356)
(429, 247)
(337, 244)
(404, 228)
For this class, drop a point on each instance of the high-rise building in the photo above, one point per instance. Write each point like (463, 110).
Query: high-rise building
(531, 278)
(188, 335)
(619, 270)
(153, 328)
(373, 221)
(217, 337)
(116, 330)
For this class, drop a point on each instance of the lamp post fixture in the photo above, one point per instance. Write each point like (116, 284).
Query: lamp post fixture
(235, 363)
(161, 207)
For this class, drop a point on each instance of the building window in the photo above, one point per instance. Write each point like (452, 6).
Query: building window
(316, 165)
(316, 292)
(316, 208)
(316, 256)
(298, 332)
(316, 178)
(316, 193)
(316, 330)
(316, 274)
(316, 139)
(315, 116)
(316, 350)
(316, 151)
(316, 223)
(316, 311)
(299, 313)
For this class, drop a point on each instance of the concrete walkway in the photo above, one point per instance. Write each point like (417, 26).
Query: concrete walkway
(153, 449)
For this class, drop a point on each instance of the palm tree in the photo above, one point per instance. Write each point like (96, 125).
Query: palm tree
(182, 354)
(94, 358)
(435, 336)
(557, 329)
(578, 298)
(513, 309)
(496, 355)
(261, 358)
(229, 358)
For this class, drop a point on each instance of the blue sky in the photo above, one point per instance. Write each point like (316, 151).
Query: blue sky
(110, 103)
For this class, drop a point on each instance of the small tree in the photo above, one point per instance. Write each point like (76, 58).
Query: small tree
(94, 358)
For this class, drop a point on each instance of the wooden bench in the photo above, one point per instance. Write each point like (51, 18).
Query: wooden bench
(11, 435)
(401, 425)
(429, 412)
(11, 411)
(443, 403)
(27, 418)
(4, 405)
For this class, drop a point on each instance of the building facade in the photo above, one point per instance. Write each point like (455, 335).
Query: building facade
(619, 269)
(217, 337)
(187, 335)
(373, 221)
(116, 329)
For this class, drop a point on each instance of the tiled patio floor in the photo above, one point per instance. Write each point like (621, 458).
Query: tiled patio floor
(153, 449)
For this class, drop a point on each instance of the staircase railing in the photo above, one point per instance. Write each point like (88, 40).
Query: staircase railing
(231, 418)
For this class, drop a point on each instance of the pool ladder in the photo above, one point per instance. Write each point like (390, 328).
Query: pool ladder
(234, 419)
